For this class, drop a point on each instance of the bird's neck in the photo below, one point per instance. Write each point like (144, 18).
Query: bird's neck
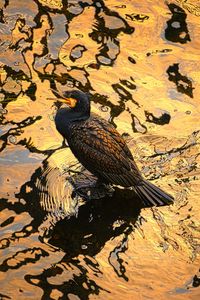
(65, 118)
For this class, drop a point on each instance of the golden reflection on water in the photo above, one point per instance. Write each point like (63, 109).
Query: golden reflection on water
(140, 62)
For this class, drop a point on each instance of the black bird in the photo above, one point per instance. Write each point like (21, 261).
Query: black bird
(101, 149)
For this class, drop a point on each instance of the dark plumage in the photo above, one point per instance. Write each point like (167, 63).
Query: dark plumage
(101, 150)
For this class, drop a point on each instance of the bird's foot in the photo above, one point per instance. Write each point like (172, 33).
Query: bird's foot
(93, 190)
(88, 186)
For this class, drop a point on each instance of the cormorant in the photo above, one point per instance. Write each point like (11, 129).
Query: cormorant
(101, 149)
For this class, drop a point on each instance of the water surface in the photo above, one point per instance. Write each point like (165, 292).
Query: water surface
(140, 62)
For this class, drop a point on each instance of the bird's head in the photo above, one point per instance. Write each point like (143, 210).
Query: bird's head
(76, 100)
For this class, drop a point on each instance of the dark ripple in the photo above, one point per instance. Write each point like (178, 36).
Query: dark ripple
(183, 84)
(177, 30)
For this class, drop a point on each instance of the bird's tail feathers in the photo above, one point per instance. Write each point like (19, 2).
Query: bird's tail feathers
(152, 195)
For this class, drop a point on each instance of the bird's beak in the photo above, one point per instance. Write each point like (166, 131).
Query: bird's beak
(71, 102)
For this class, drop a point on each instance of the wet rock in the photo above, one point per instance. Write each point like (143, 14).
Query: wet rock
(177, 30)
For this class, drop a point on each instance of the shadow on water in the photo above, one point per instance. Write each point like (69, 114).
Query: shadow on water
(177, 30)
(84, 234)
(97, 222)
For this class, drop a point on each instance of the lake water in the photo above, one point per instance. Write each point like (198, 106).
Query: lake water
(140, 61)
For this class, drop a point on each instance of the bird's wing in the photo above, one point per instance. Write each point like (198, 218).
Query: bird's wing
(100, 148)
(115, 136)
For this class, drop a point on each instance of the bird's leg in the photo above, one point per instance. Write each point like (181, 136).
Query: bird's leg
(88, 184)
(94, 189)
